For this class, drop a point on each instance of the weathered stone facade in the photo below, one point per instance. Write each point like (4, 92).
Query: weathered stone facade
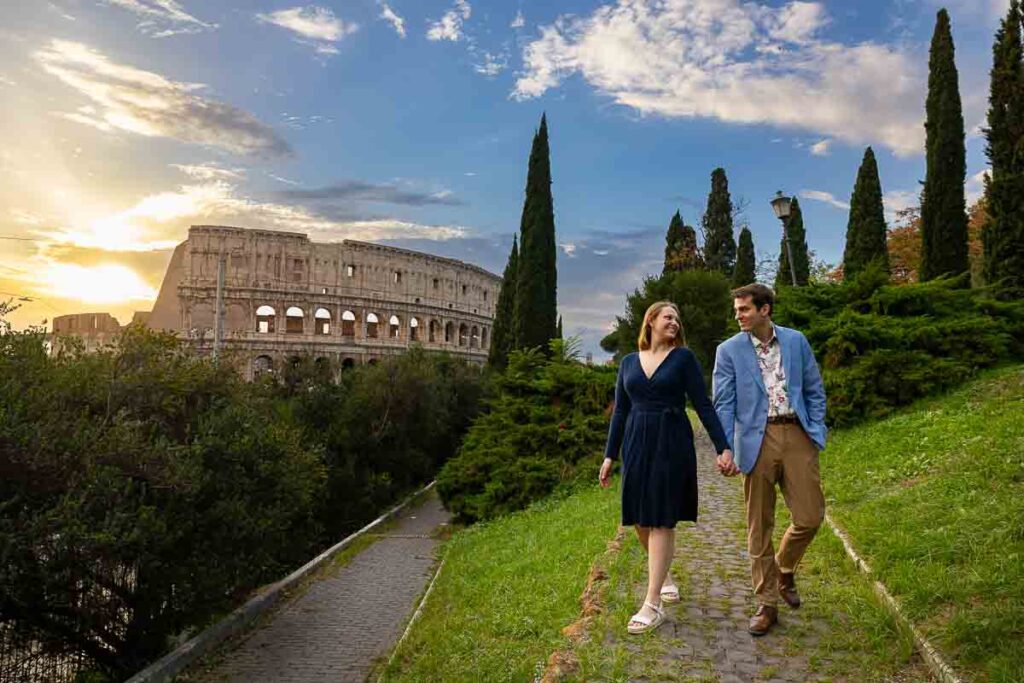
(347, 302)
(94, 329)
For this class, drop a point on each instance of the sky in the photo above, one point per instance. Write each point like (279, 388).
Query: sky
(409, 122)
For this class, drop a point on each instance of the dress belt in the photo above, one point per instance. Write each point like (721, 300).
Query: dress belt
(658, 408)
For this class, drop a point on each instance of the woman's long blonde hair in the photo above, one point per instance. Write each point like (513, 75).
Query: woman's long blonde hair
(644, 340)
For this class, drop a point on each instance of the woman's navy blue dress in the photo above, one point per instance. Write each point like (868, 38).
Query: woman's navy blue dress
(659, 463)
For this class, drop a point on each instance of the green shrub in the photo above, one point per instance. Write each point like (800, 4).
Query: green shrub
(546, 426)
(882, 346)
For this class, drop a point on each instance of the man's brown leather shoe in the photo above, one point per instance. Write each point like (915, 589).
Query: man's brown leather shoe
(764, 618)
(787, 589)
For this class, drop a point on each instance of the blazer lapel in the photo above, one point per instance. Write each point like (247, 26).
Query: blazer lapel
(751, 360)
(789, 356)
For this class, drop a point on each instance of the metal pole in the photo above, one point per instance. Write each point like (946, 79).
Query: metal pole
(789, 252)
(218, 318)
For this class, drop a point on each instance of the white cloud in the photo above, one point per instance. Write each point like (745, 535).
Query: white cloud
(159, 221)
(492, 64)
(895, 201)
(148, 104)
(449, 27)
(519, 21)
(210, 171)
(317, 26)
(821, 147)
(396, 21)
(163, 18)
(737, 62)
(569, 248)
(975, 186)
(827, 197)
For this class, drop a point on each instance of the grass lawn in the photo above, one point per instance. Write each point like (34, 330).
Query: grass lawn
(933, 498)
(507, 590)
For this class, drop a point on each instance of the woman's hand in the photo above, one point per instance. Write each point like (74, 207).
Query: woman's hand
(605, 476)
(726, 465)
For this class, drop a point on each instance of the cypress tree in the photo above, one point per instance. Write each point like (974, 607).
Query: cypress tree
(558, 330)
(681, 252)
(866, 230)
(798, 241)
(719, 241)
(943, 206)
(502, 341)
(746, 263)
(536, 312)
(1003, 233)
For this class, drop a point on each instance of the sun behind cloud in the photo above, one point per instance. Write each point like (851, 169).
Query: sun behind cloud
(101, 284)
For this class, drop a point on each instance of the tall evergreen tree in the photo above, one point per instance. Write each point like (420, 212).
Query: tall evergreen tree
(866, 230)
(719, 241)
(798, 242)
(1003, 233)
(943, 206)
(558, 329)
(536, 312)
(681, 252)
(746, 262)
(502, 340)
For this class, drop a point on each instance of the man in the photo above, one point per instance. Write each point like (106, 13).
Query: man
(771, 401)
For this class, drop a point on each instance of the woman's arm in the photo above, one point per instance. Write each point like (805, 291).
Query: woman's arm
(697, 391)
(618, 425)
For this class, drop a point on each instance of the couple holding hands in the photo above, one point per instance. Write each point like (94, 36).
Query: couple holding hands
(767, 422)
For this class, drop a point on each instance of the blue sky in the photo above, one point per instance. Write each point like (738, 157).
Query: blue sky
(409, 122)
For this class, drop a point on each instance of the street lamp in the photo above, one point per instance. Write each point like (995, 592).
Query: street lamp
(781, 205)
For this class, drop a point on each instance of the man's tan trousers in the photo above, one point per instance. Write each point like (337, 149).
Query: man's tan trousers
(788, 458)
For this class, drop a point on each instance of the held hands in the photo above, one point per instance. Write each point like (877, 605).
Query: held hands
(726, 465)
(605, 475)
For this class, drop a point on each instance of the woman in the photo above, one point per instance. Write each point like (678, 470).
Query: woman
(659, 463)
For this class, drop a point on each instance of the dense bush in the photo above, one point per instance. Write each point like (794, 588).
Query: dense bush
(882, 346)
(546, 426)
(144, 491)
(705, 305)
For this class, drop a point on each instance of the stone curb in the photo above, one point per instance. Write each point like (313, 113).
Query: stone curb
(171, 664)
(415, 616)
(938, 666)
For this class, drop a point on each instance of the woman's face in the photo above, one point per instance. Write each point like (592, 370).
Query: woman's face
(665, 324)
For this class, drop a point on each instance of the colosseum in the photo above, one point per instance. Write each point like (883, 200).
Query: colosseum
(284, 296)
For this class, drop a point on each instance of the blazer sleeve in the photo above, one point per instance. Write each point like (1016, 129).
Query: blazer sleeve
(814, 387)
(698, 393)
(723, 390)
(618, 425)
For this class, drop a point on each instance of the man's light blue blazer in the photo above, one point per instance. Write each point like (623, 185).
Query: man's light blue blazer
(741, 400)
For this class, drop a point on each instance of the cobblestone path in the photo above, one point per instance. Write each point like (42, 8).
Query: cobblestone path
(705, 638)
(347, 618)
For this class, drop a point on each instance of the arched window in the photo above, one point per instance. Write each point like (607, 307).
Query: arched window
(483, 337)
(293, 320)
(433, 327)
(474, 338)
(348, 324)
(262, 365)
(372, 324)
(265, 316)
(449, 332)
(394, 327)
(348, 364)
(323, 321)
(414, 325)
(463, 332)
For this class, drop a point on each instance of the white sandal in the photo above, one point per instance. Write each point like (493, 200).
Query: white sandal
(670, 593)
(646, 623)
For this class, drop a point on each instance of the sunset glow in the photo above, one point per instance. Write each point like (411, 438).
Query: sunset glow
(96, 285)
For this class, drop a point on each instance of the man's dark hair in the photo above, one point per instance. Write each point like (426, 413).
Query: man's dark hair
(760, 295)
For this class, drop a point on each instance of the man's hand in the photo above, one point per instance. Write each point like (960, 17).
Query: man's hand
(726, 465)
(605, 476)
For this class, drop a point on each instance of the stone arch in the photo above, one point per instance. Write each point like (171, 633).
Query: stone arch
(483, 337)
(262, 365)
(433, 331)
(474, 337)
(322, 319)
(414, 327)
(394, 327)
(372, 326)
(348, 364)
(463, 333)
(348, 324)
(265, 317)
(372, 361)
(449, 332)
(295, 319)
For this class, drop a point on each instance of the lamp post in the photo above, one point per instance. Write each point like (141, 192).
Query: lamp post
(781, 205)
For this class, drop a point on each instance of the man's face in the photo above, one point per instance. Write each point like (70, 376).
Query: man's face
(747, 316)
